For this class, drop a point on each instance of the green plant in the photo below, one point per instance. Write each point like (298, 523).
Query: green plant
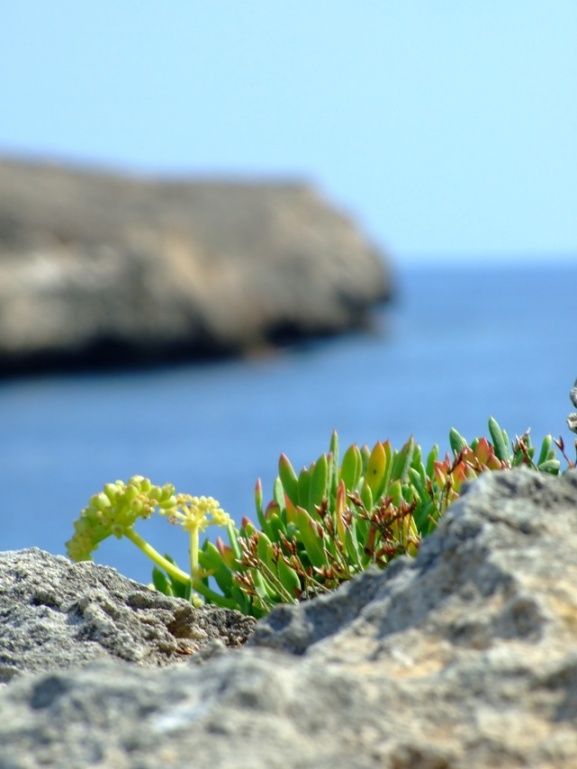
(115, 510)
(322, 526)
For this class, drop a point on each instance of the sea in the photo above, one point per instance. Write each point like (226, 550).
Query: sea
(459, 344)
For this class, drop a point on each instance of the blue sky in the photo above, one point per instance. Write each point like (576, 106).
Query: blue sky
(448, 128)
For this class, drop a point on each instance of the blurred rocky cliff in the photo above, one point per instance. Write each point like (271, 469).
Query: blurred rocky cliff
(98, 268)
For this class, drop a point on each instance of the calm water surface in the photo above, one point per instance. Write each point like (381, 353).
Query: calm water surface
(459, 346)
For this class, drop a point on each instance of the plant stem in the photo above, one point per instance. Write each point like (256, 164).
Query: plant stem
(194, 561)
(155, 556)
(193, 552)
(177, 573)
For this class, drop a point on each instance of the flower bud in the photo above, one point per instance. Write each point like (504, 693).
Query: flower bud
(137, 506)
(111, 491)
(130, 493)
(144, 484)
(100, 501)
(167, 491)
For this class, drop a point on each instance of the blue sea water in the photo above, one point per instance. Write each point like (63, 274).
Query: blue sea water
(459, 345)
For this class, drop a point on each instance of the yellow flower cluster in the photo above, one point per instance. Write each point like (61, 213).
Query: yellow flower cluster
(114, 511)
(196, 513)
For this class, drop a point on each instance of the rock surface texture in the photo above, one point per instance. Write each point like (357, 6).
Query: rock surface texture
(102, 268)
(463, 658)
(55, 614)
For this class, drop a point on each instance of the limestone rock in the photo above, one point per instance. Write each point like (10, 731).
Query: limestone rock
(55, 615)
(463, 658)
(96, 267)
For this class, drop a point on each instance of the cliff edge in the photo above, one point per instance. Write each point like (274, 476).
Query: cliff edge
(101, 268)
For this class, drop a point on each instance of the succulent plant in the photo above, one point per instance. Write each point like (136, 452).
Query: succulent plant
(322, 526)
(332, 520)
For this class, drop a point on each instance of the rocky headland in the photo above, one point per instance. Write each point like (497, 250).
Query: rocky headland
(465, 657)
(98, 268)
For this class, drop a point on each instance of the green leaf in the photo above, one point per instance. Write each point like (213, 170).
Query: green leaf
(365, 456)
(456, 441)
(431, 459)
(354, 552)
(304, 485)
(418, 480)
(318, 489)
(309, 537)
(289, 578)
(334, 449)
(361, 528)
(244, 602)
(275, 524)
(161, 581)
(333, 458)
(418, 466)
(278, 493)
(233, 535)
(288, 479)
(546, 451)
(264, 551)
(425, 517)
(211, 560)
(258, 501)
(178, 589)
(389, 465)
(519, 458)
(375, 472)
(396, 492)
(408, 491)
(264, 589)
(367, 497)
(352, 467)
(500, 440)
(550, 466)
(402, 461)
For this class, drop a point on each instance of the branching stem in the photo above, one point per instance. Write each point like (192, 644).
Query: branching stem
(154, 555)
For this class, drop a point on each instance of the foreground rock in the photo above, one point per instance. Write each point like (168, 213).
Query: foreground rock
(464, 658)
(102, 268)
(55, 614)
